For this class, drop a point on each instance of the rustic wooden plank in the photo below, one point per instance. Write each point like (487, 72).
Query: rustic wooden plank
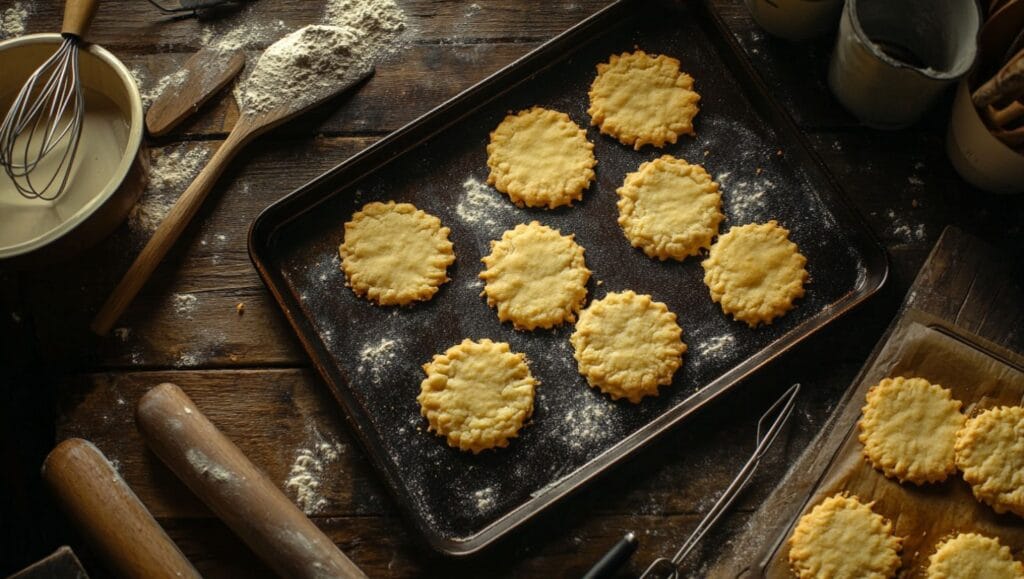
(138, 28)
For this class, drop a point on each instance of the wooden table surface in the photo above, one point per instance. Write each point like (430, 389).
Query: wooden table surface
(251, 377)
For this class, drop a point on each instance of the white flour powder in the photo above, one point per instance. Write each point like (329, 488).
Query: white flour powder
(305, 476)
(12, 21)
(303, 67)
(380, 21)
(479, 204)
(170, 173)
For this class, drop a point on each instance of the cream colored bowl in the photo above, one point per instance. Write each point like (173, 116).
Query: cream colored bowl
(109, 171)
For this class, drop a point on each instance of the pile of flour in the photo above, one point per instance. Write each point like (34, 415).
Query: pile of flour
(319, 59)
(304, 66)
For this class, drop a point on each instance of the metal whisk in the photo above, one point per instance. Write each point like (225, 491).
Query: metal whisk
(40, 134)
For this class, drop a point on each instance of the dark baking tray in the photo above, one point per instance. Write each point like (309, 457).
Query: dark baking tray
(463, 502)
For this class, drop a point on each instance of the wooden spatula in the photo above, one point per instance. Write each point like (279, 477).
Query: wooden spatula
(203, 75)
(249, 126)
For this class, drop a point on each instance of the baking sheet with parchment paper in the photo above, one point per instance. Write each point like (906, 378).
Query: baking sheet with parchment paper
(924, 515)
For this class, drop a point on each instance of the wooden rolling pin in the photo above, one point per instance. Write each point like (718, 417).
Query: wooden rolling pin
(110, 515)
(238, 492)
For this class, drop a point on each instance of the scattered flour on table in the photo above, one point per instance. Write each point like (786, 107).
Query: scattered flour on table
(480, 204)
(170, 173)
(185, 304)
(374, 358)
(250, 28)
(904, 231)
(12, 20)
(306, 474)
(380, 21)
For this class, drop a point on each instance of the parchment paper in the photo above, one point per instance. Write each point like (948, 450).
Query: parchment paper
(924, 515)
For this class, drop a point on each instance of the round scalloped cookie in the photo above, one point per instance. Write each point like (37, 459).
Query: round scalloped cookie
(477, 394)
(535, 277)
(628, 345)
(923, 454)
(540, 158)
(669, 208)
(990, 453)
(642, 99)
(971, 556)
(395, 254)
(842, 538)
(755, 272)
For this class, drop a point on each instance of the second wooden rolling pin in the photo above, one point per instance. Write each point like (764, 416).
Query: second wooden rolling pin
(235, 489)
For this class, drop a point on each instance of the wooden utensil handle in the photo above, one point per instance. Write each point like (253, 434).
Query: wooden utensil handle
(77, 16)
(238, 492)
(110, 515)
(167, 234)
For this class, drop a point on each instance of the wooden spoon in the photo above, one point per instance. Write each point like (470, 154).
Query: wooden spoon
(203, 75)
(249, 126)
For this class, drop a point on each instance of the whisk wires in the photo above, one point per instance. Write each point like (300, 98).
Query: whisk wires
(40, 133)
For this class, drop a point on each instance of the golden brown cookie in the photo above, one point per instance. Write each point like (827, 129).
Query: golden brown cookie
(477, 394)
(641, 99)
(921, 454)
(395, 254)
(669, 208)
(540, 158)
(535, 277)
(990, 453)
(755, 272)
(973, 556)
(628, 345)
(842, 538)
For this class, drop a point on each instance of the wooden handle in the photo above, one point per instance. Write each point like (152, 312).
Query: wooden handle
(110, 515)
(167, 233)
(238, 492)
(77, 16)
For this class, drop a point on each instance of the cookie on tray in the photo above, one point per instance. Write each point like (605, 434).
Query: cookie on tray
(641, 99)
(477, 394)
(669, 208)
(842, 538)
(755, 272)
(395, 254)
(540, 158)
(990, 453)
(923, 453)
(970, 556)
(628, 345)
(535, 277)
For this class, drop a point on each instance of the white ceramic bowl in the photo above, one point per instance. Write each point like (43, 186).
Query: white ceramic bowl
(110, 167)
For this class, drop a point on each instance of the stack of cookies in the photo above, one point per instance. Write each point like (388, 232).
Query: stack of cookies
(913, 431)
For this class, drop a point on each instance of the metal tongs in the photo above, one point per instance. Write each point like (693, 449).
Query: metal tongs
(666, 568)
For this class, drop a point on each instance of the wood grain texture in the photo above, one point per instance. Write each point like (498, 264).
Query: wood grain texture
(248, 373)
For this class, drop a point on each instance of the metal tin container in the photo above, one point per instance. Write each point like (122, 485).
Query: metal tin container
(893, 57)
